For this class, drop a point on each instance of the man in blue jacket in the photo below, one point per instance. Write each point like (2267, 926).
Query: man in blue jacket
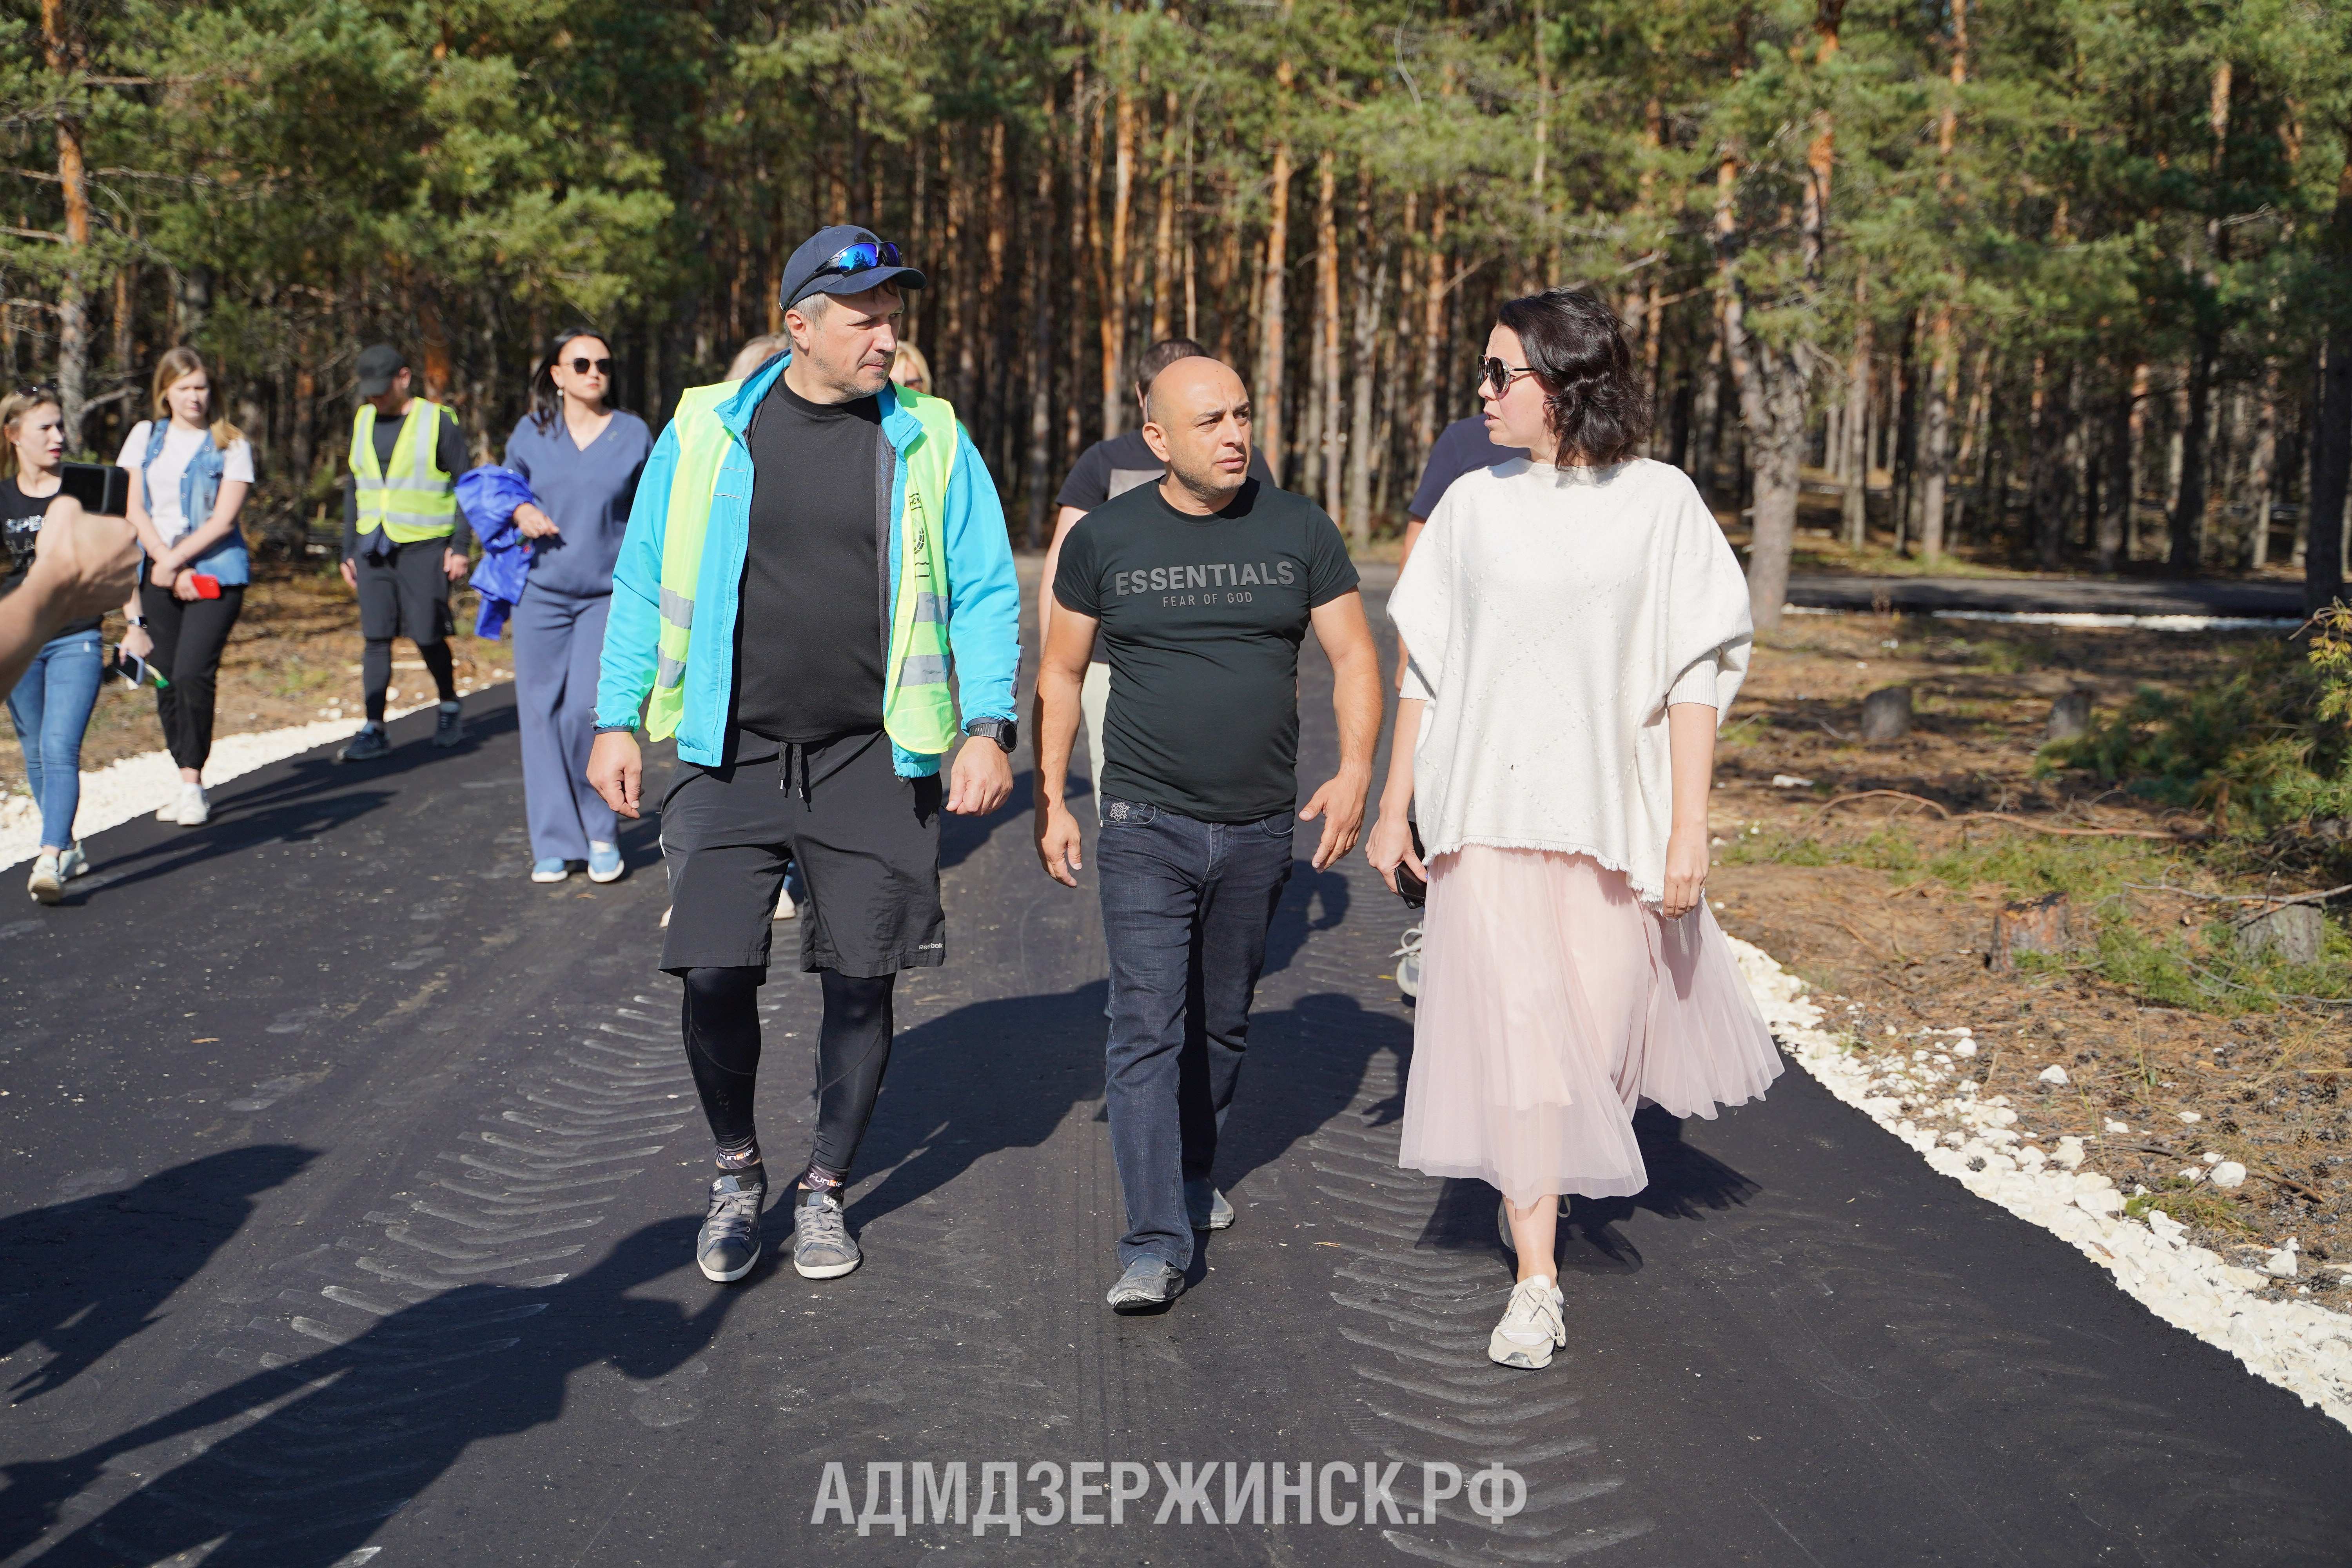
(813, 552)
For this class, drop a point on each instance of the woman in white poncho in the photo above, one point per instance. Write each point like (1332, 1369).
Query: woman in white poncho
(1575, 626)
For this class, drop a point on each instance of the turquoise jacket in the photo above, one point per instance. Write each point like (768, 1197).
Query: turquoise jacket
(983, 611)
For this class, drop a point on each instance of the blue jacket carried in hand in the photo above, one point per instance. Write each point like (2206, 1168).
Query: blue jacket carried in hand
(490, 496)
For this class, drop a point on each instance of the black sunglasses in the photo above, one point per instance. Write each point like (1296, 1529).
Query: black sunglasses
(583, 364)
(45, 393)
(1494, 373)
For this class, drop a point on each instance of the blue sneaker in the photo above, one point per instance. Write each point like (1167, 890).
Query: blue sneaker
(604, 862)
(553, 869)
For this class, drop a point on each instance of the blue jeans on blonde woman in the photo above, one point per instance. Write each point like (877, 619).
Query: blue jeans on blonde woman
(51, 707)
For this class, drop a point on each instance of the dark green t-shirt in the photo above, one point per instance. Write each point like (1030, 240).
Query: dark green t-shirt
(1203, 617)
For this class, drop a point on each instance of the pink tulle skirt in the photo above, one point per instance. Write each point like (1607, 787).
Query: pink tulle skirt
(1552, 1003)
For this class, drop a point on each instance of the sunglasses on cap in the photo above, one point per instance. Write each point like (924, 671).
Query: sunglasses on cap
(582, 364)
(1494, 373)
(863, 257)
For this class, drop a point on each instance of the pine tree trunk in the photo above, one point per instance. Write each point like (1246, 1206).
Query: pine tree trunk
(1267, 398)
(2331, 435)
(1433, 330)
(2261, 467)
(1326, 310)
(1856, 501)
(64, 50)
(1039, 363)
(1371, 287)
(1114, 394)
(2115, 503)
(1163, 233)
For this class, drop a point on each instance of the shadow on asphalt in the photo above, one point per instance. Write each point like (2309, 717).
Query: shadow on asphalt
(312, 798)
(71, 1293)
(1685, 1183)
(354, 1431)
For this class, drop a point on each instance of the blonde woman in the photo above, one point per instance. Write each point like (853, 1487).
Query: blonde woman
(1575, 626)
(190, 474)
(755, 352)
(910, 370)
(50, 704)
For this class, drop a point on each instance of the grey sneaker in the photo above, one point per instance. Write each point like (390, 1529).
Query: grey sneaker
(365, 747)
(730, 1242)
(449, 725)
(822, 1247)
(1206, 1206)
(1531, 1328)
(1408, 964)
(1147, 1283)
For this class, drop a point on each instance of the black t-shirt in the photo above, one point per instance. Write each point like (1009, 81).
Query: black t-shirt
(20, 523)
(1462, 448)
(808, 633)
(1204, 616)
(1118, 465)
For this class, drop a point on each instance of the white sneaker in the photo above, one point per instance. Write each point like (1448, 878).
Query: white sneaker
(169, 811)
(785, 908)
(1531, 1326)
(72, 863)
(193, 810)
(45, 885)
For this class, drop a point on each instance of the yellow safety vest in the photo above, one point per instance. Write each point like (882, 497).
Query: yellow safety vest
(410, 500)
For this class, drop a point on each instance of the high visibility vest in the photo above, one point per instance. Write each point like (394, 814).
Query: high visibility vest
(410, 498)
(917, 710)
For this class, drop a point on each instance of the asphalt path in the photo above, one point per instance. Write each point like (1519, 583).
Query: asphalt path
(2045, 595)
(352, 1181)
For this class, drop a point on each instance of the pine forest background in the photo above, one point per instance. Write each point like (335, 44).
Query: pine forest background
(2064, 282)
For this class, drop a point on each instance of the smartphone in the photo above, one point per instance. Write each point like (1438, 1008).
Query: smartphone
(1412, 889)
(101, 488)
(137, 671)
(206, 585)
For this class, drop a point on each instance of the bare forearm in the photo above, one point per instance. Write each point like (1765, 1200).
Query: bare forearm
(1355, 704)
(1690, 737)
(1397, 795)
(1054, 724)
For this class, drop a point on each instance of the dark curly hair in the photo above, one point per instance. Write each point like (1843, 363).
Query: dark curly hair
(1593, 399)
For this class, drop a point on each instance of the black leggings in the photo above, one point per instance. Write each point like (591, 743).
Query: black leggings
(375, 672)
(189, 636)
(721, 1022)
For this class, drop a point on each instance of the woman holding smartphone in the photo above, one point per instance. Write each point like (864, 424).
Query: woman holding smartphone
(50, 704)
(1574, 624)
(189, 477)
(582, 457)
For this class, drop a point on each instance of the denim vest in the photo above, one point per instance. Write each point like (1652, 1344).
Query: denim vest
(199, 488)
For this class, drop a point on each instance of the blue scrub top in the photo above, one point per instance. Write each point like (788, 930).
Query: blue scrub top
(588, 493)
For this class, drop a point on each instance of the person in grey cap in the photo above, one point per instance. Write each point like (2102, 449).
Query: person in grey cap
(405, 540)
(813, 555)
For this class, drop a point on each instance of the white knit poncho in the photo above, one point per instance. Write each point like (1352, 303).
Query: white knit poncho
(1550, 616)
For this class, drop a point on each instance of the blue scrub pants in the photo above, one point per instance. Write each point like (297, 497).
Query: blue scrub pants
(559, 645)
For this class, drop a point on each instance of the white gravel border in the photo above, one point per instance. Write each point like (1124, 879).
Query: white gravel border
(1918, 1089)
(134, 786)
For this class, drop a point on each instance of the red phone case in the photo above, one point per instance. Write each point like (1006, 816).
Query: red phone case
(207, 588)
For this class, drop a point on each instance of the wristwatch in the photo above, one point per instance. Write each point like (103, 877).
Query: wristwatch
(1003, 731)
(135, 620)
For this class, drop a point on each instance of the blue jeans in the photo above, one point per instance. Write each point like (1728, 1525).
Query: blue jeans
(558, 640)
(1186, 906)
(51, 709)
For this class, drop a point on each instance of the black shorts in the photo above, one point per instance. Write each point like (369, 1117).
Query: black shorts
(405, 594)
(867, 842)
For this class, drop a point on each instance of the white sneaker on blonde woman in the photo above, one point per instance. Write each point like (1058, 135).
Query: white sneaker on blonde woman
(1531, 1328)
(193, 810)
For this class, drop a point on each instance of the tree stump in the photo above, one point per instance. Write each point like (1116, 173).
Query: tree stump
(2292, 933)
(2042, 925)
(1887, 713)
(2070, 716)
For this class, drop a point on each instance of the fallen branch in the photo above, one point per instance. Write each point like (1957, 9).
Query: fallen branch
(2287, 1182)
(2166, 834)
(2270, 900)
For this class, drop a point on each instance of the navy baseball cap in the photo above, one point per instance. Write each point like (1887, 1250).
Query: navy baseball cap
(844, 259)
(378, 366)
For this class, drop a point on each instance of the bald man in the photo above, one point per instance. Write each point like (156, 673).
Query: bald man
(1203, 585)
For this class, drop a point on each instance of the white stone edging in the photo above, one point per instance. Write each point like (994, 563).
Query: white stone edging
(2302, 1347)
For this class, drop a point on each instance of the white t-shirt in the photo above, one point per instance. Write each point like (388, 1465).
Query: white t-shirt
(163, 480)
